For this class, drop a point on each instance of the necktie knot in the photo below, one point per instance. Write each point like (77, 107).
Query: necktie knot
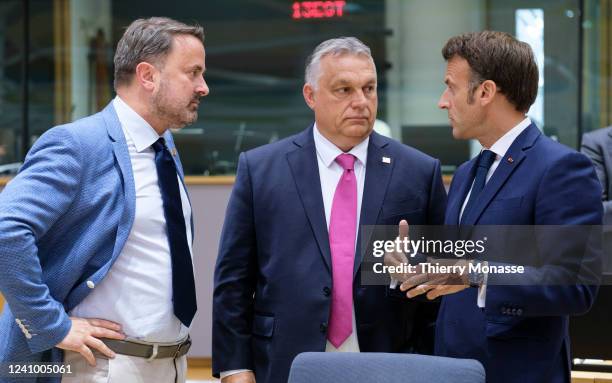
(159, 145)
(347, 161)
(486, 159)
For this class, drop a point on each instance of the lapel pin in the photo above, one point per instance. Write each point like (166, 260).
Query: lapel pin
(386, 160)
(510, 160)
(173, 152)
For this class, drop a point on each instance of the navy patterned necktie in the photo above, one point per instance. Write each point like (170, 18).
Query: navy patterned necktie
(183, 284)
(485, 160)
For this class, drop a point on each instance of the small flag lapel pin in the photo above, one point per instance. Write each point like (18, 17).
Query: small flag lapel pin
(173, 152)
(510, 160)
(386, 160)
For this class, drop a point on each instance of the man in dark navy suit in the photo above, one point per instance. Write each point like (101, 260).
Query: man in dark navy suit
(287, 276)
(518, 332)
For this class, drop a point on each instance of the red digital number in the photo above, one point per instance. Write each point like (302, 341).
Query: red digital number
(317, 9)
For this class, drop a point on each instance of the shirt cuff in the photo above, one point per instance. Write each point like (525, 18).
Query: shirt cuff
(482, 292)
(393, 284)
(225, 374)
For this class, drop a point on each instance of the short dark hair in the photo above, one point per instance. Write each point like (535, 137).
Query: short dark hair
(148, 40)
(501, 58)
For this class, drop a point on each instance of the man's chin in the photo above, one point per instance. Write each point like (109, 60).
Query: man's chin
(358, 129)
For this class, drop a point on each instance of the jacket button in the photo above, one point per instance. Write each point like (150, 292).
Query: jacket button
(519, 312)
(90, 284)
(326, 291)
(323, 327)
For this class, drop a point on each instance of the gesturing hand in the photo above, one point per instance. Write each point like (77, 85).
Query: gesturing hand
(438, 284)
(84, 334)
(398, 258)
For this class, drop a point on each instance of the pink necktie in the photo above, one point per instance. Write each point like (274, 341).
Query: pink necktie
(342, 231)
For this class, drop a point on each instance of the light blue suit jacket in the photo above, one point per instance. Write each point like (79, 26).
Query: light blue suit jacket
(64, 219)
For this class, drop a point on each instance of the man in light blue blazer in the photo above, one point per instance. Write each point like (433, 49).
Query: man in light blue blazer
(96, 229)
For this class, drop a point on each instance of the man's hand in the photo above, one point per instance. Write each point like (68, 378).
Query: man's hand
(241, 377)
(84, 334)
(438, 284)
(397, 258)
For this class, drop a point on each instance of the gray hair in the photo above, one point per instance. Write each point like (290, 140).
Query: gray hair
(334, 47)
(148, 40)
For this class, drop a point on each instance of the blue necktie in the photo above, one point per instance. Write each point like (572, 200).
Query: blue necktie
(183, 284)
(485, 160)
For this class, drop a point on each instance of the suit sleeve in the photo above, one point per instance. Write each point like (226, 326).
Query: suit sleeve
(595, 152)
(568, 197)
(29, 206)
(423, 328)
(235, 278)
(437, 197)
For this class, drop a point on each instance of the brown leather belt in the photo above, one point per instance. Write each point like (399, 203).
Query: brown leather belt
(148, 351)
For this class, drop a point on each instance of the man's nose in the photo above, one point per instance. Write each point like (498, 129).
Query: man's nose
(202, 89)
(443, 101)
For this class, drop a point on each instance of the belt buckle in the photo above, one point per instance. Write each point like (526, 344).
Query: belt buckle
(180, 347)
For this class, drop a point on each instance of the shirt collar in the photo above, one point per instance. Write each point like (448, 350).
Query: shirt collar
(328, 152)
(501, 146)
(140, 131)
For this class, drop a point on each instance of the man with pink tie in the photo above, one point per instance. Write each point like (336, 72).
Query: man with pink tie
(287, 278)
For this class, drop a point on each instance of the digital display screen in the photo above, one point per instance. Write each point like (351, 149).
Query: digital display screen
(318, 9)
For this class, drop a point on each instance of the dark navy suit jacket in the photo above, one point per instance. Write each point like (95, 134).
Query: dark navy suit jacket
(273, 273)
(522, 333)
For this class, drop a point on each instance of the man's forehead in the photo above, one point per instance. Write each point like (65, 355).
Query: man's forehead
(348, 67)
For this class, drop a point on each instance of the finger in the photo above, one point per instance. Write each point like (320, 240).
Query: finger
(415, 292)
(419, 290)
(415, 280)
(403, 229)
(104, 323)
(441, 290)
(101, 332)
(88, 355)
(100, 346)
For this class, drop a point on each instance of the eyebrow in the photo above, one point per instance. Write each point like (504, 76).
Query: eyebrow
(197, 67)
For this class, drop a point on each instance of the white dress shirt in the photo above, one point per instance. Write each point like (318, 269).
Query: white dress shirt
(500, 147)
(330, 172)
(137, 291)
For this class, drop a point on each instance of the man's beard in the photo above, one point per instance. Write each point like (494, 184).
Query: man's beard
(171, 111)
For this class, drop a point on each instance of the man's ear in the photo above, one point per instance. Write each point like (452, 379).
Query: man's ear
(146, 75)
(309, 95)
(486, 92)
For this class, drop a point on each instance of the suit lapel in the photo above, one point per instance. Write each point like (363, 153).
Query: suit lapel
(377, 176)
(122, 156)
(305, 171)
(511, 160)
